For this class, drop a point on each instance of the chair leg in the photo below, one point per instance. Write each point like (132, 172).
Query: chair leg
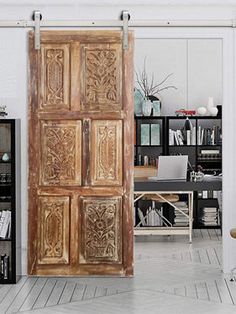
(232, 277)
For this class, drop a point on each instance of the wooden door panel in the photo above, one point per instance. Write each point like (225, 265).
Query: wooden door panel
(106, 153)
(60, 153)
(54, 230)
(55, 77)
(101, 230)
(101, 77)
(80, 154)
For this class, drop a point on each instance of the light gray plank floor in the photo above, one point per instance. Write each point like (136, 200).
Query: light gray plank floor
(171, 276)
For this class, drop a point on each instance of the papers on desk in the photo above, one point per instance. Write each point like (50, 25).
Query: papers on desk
(209, 177)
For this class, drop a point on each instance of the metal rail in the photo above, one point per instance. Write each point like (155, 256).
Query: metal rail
(38, 23)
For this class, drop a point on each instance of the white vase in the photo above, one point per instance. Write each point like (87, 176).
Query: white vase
(211, 108)
(147, 107)
(210, 103)
(202, 111)
(213, 111)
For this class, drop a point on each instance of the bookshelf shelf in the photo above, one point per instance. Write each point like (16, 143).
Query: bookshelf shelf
(182, 146)
(209, 160)
(10, 238)
(149, 117)
(148, 146)
(209, 145)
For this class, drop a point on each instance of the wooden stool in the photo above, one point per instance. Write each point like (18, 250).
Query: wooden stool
(154, 197)
(233, 235)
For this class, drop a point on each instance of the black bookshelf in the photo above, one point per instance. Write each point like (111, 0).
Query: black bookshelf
(203, 145)
(205, 153)
(10, 235)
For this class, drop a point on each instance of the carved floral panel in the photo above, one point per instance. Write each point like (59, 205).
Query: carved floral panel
(55, 77)
(101, 230)
(54, 221)
(60, 153)
(106, 161)
(101, 78)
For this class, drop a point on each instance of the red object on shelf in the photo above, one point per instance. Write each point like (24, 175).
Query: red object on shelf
(185, 112)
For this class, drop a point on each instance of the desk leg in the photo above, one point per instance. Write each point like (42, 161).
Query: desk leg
(190, 202)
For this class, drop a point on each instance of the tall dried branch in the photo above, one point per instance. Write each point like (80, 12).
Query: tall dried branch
(148, 87)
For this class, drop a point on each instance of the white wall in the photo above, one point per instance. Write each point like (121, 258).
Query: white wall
(196, 65)
(13, 68)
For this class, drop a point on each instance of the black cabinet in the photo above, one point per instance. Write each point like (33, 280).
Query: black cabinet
(10, 235)
(149, 140)
(199, 137)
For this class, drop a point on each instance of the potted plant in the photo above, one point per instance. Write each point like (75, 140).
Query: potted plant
(150, 90)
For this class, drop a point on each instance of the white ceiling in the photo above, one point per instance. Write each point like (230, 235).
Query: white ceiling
(119, 2)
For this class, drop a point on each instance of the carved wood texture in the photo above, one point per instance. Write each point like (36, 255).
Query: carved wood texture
(101, 230)
(55, 79)
(54, 230)
(102, 77)
(106, 152)
(80, 190)
(61, 153)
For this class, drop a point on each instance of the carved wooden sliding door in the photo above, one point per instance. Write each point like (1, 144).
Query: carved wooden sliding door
(80, 154)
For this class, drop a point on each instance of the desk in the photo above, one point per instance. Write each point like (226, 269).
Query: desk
(144, 186)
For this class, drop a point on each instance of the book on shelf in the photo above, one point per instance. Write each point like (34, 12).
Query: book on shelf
(147, 160)
(209, 209)
(178, 137)
(209, 136)
(5, 224)
(209, 216)
(188, 135)
(206, 223)
(171, 137)
(153, 219)
(181, 224)
(209, 193)
(4, 267)
(180, 218)
(2, 217)
(150, 134)
(145, 134)
(155, 134)
(193, 136)
(141, 217)
(181, 204)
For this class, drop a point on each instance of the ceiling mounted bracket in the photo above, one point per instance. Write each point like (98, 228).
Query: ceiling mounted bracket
(37, 16)
(125, 16)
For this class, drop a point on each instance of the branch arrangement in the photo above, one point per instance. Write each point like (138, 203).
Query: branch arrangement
(148, 87)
